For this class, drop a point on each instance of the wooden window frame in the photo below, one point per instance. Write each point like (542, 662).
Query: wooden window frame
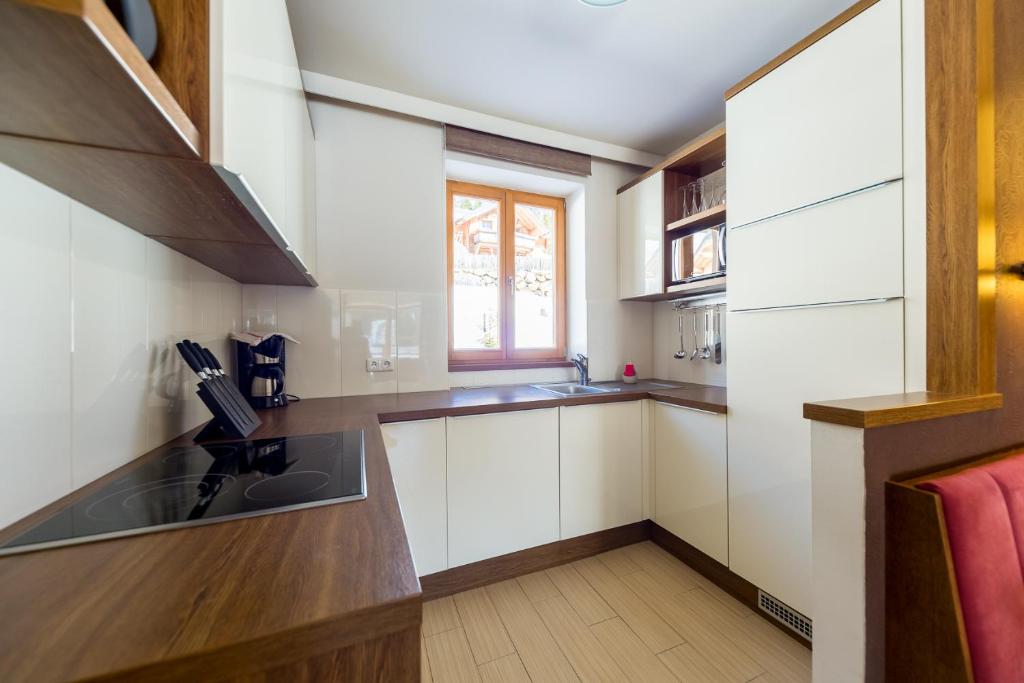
(507, 355)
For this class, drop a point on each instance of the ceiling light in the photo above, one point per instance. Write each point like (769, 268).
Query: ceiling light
(602, 3)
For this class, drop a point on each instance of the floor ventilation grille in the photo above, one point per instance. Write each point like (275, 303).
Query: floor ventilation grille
(786, 614)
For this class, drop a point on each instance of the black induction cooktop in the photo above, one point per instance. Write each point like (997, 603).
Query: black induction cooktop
(187, 485)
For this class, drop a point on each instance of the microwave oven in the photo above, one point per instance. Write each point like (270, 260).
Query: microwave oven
(699, 255)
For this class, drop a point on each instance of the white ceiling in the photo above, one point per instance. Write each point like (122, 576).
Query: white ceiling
(648, 74)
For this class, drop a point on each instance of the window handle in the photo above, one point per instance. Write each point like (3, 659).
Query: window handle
(511, 280)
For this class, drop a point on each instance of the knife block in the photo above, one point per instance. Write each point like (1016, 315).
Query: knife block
(224, 424)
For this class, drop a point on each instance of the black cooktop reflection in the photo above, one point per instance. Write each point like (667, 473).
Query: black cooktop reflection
(185, 485)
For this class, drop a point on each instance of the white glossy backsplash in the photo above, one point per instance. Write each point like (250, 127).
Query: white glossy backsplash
(92, 310)
(340, 329)
(666, 344)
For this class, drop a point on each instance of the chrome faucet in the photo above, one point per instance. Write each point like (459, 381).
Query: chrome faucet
(583, 368)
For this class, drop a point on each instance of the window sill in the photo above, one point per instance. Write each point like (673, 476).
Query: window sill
(455, 366)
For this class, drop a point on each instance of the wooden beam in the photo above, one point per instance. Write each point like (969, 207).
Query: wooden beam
(459, 139)
(961, 237)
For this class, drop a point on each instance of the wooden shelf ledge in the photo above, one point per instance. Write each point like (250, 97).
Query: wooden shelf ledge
(881, 411)
(704, 152)
(703, 219)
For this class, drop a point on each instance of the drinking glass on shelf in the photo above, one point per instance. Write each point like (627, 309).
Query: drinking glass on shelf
(698, 196)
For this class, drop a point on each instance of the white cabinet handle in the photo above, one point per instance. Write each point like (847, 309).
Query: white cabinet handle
(696, 410)
(869, 188)
(826, 304)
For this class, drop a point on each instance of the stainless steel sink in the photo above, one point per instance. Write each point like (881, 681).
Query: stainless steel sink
(571, 389)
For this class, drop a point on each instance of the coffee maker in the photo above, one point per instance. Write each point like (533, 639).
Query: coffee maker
(261, 370)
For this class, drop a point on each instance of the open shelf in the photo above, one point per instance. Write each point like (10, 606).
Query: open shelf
(705, 219)
(75, 76)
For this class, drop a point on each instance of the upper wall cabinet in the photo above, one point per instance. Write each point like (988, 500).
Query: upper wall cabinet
(207, 148)
(653, 210)
(260, 130)
(641, 220)
(826, 122)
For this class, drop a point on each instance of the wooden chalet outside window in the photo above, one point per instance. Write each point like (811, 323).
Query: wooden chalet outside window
(506, 278)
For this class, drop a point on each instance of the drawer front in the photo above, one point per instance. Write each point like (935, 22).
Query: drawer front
(827, 122)
(847, 249)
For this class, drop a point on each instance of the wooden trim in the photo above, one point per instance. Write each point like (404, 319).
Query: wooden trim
(701, 152)
(799, 47)
(557, 204)
(517, 151)
(182, 59)
(881, 411)
(507, 353)
(925, 638)
(720, 575)
(498, 195)
(961, 224)
(509, 566)
(456, 366)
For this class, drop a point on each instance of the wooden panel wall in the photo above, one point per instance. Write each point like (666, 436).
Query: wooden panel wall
(961, 239)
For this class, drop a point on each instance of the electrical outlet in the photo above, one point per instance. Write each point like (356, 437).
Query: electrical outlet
(379, 365)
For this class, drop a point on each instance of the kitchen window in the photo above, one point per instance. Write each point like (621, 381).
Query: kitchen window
(506, 277)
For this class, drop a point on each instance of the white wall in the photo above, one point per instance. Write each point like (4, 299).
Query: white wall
(380, 261)
(666, 344)
(617, 331)
(92, 310)
(381, 266)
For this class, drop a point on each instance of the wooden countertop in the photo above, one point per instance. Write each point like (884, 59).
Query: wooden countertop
(880, 411)
(192, 602)
(498, 399)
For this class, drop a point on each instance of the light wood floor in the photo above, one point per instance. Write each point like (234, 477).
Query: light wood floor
(632, 614)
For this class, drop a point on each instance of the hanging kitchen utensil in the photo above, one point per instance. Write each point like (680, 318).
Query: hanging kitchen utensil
(705, 352)
(718, 335)
(696, 347)
(681, 353)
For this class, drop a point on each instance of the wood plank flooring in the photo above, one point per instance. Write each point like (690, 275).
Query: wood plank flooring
(632, 614)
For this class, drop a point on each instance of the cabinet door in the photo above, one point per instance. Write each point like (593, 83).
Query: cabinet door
(259, 122)
(502, 483)
(827, 122)
(416, 453)
(691, 498)
(778, 360)
(641, 211)
(601, 467)
(843, 250)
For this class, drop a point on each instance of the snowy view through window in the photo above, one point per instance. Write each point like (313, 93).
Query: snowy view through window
(477, 244)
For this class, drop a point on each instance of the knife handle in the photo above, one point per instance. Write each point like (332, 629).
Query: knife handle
(207, 357)
(197, 352)
(190, 359)
(214, 363)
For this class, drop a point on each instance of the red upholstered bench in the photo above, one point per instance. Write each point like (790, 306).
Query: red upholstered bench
(955, 574)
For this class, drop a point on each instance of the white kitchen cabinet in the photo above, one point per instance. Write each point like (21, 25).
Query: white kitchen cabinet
(826, 122)
(846, 249)
(261, 136)
(690, 474)
(778, 360)
(601, 468)
(502, 483)
(416, 454)
(641, 222)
